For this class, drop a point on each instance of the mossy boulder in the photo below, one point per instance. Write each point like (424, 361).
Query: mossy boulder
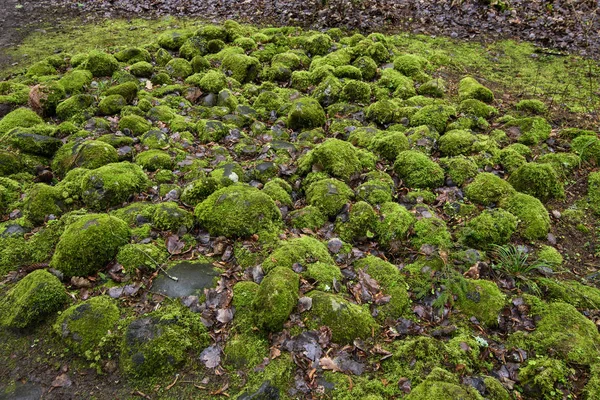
(329, 196)
(76, 81)
(276, 297)
(539, 180)
(100, 63)
(132, 55)
(338, 158)
(78, 108)
(88, 244)
(45, 97)
(394, 224)
(459, 169)
(41, 201)
(153, 160)
(431, 231)
(491, 227)
(211, 130)
(179, 68)
(241, 67)
(532, 106)
(213, 82)
(318, 44)
(111, 105)
(306, 113)
(88, 154)
(198, 190)
(302, 250)
(32, 299)
(469, 88)
(389, 144)
(238, 211)
(309, 217)
(21, 117)
(143, 257)
(168, 216)
(435, 116)
(335, 312)
(594, 191)
(482, 300)
(529, 131)
(534, 221)
(111, 185)
(488, 188)
(417, 170)
(383, 112)
(442, 385)
(136, 124)
(158, 343)
(142, 69)
(457, 142)
(29, 142)
(361, 223)
(83, 326)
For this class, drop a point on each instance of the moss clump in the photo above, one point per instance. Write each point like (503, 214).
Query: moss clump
(46, 96)
(431, 231)
(83, 326)
(361, 223)
(329, 196)
(211, 131)
(410, 65)
(179, 68)
(532, 106)
(89, 154)
(240, 67)
(338, 158)
(323, 275)
(89, 243)
(383, 112)
(433, 88)
(418, 171)
(459, 169)
(457, 142)
(111, 185)
(132, 55)
(488, 188)
(198, 190)
(78, 108)
(544, 376)
(213, 82)
(442, 385)
(483, 300)
(309, 217)
(477, 108)
(377, 189)
(42, 200)
(469, 88)
(572, 292)
(491, 227)
(539, 180)
(562, 331)
(318, 44)
(276, 189)
(550, 256)
(168, 216)
(334, 312)
(356, 92)
(112, 104)
(143, 257)
(435, 116)
(394, 224)
(142, 69)
(305, 113)
(31, 300)
(238, 210)
(392, 284)
(530, 131)
(21, 117)
(594, 191)
(153, 160)
(303, 250)
(100, 63)
(389, 144)
(246, 350)
(534, 221)
(76, 81)
(135, 124)
(276, 297)
(159, 342)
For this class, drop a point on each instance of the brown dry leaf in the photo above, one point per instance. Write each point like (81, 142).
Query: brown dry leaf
(62, 380)
(174, 245)
(327, 363)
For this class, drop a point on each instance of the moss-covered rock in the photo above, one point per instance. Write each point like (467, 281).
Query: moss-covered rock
(112, 104)
(361, 223)
(83, 326)
(338, 158)
(394, 224)
(302, 250)
(491, 227)
(457, 142)
(27, 141)
(539, 180)
(417, 170)
(88, 244)
(240, 67)
(111, 185)
(329, 196)
(383, 112)
(389, 144)
(318, 44)
(534, 221)
(46, 96)
(213, 82)
(32, 299)
(435, 116)
(411, 65)
(279, 190)
(469, 88)
(276, 297)
(89, 154)
(21, 117)
(442, 385)
(334, 312)
(77, 108)
(211, 130)
(488, 188)
(309, 217)
(157, 343)
(532, 106)
(198, 190)
(179, 68)
(41, 201)
(168, 216)
(356, 91)
(76, 81)
(135, 124)
(483, 300)
(153, 160)
(100, 63)
(431, 231)
(529, 131)
(305, 113)
(143, 257)
(238, 211)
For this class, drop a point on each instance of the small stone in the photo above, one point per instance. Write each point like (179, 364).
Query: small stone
(334, 245)
(556, 214)
(551, 239)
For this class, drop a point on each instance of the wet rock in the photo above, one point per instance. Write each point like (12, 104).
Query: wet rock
(192, 278)
(265, 392)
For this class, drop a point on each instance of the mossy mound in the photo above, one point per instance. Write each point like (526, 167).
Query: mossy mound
(328, 195)
(276, 297)
(418, 170)
(539, 180)
(111, 185)
(301, 250)
(88, 244)
(338, 158)
(83, 326)
(238, 211)
(90, 154)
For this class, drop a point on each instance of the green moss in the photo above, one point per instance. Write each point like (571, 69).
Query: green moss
(414, 358)
(334, 312)
(21, 117)
(571, 292)
(442, 385)
(128, 90)
(564, 332)
(388, 144)
(592, 388)
(323, 275)
(89, 154)
(477, 108)
(88, 244)
(111, 105)
(32, 299)
(531, 130)
(587, 147)
(532, 106)
(198, 190)
(13, 94)
(457, 142)
(142, 69)
(459, 169)
(211, 131)
(132, 55)
(318, 44)
(491, 227)
(594, 191)
(411, 65)
(303, 250)
(393, 81)
(417, 170)
(276, 297)
(135, 124)
(539, 180)
(157, 343)
(356, 92)
(240, 67)
(153, 160)
(277, 191)
(361, 223)
(309, 217)
(77, 108)
(433, 88)
(383, 112)
(246, 350)
(305, 113)
(534, 221)
(100, 63)
(377, 189)
(550, 256)
(213, 82)
(172, 40)
(469, 88)
(488, 188)
(483, 300)
(238, 210)
(367, 67)
(76, 81)
(41, 68)
(431, 231)
(338, 158)
(143, 257)
(328, 195)
(435, 116)
(47, 95)
(42, 200)
(394, 224)
(168, 216)
(83, 326)
(392, 284)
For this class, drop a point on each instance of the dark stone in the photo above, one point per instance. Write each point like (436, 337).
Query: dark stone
(265, 392)
(192, 279)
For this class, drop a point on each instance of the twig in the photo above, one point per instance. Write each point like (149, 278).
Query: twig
(141, 394)
(174, 382)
